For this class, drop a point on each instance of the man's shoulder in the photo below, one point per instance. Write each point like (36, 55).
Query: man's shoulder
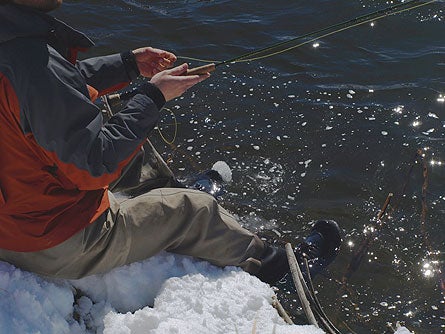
(20, 22)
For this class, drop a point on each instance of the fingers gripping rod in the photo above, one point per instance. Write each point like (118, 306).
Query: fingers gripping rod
(115, 99)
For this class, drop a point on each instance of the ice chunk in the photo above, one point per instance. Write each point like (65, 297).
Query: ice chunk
(224, 170)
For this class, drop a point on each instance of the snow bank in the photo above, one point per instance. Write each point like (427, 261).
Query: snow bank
(29, 304)
(165, 294)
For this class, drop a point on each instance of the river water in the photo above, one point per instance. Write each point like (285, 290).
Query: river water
(326, 130)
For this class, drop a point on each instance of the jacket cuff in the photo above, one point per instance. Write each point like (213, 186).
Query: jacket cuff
(154, 93)
(130, 64)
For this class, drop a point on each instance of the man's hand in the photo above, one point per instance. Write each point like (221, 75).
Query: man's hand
(151, 61)
(172, 83)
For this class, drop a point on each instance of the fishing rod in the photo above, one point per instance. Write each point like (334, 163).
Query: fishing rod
(314, 35)
(117, 98)
(282, 47)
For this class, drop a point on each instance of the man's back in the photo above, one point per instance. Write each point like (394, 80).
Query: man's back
(39, 205)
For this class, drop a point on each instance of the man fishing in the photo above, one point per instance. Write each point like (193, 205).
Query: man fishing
(59, 157)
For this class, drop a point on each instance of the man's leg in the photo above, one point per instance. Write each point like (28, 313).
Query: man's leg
(188, 222)
(181, 221)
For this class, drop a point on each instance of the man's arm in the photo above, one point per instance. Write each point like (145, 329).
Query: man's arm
(110, 73)
(70, 128)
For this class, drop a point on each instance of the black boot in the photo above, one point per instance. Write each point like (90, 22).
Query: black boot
(210, 182)
(274, 265)
(320, 248)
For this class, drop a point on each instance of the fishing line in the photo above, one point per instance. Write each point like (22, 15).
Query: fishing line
(330, 33)
(113, 100)
(176, 128)
(318, 34)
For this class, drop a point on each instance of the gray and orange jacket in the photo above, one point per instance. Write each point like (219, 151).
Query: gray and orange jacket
(57, 155)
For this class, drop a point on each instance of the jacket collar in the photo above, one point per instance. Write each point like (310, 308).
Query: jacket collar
(20, 21)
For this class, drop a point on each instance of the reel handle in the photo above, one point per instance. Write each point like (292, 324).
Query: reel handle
(201, 70)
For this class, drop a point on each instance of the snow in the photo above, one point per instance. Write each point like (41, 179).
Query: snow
(402, 330)
(224, 170)
(165, 294)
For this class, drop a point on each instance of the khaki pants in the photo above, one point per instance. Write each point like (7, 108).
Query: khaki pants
(177, 220)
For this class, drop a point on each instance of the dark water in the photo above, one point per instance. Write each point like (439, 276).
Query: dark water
(316, 132)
